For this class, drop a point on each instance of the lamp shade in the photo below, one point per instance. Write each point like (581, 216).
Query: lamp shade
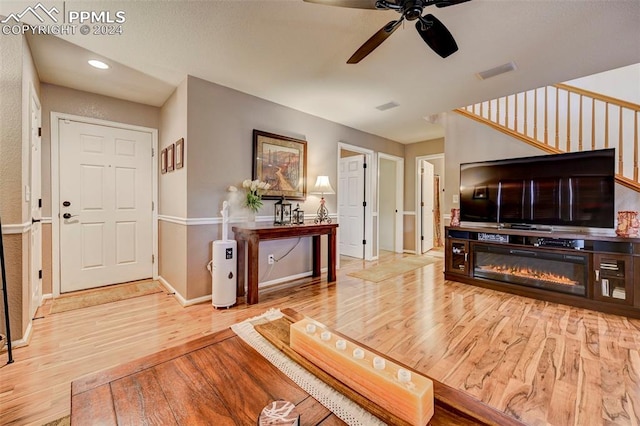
(322, 186)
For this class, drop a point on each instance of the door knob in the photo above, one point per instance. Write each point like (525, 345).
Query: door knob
(69, 215)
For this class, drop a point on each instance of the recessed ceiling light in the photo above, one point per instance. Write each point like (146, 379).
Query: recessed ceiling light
(98, 64)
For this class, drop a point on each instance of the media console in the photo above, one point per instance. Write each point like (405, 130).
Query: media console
(584, 270)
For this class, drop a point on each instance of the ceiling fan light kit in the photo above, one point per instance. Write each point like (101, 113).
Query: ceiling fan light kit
(432, 31)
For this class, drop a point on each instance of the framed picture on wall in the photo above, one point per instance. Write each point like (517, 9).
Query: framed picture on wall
(282, 163)
(163, 161)
(171, 157)
(180, 153)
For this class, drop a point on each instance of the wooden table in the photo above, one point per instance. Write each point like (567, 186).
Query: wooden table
(220, 380)
(250, 235)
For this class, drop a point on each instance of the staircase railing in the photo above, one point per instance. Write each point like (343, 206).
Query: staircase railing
(563, 118)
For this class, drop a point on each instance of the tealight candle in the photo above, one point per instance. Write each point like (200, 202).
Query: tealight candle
(404, 376)
(341, 344)
(358, 353)
(311, 328)
(325, 335)
(378, 363)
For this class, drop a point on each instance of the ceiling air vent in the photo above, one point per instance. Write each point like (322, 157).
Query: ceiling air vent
(387, 106)
(500, 69)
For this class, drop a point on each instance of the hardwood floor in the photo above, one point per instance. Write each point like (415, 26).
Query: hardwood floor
(539, 362)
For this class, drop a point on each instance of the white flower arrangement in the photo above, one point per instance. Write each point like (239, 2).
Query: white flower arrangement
(254, 191)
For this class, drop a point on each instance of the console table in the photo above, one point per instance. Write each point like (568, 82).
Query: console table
(250, 235)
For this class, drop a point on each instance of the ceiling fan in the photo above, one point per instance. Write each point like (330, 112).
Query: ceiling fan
(432, 31)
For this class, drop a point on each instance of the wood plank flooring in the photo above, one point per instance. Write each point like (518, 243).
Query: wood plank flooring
(540, 362)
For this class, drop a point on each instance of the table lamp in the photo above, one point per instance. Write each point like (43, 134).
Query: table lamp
(322, 186)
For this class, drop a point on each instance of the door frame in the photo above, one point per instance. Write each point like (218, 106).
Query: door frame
(418, 193)
(368, 185)
(399, 201)
(55, 187)
(35, 278)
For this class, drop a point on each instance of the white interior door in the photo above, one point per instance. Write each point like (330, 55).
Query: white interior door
(427, 206)
(35, 194)
(350, 199)
(106, 233)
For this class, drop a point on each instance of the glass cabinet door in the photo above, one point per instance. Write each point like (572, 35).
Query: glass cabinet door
(458, 257)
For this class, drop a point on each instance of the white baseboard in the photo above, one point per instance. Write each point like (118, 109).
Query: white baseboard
(47, 296)
(409, 251)
(288, 278)
(25, 339)
(183, 302)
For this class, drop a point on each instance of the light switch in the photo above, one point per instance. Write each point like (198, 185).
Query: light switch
(455, 198)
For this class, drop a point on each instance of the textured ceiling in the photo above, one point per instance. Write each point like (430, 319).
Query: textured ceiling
(294, 53)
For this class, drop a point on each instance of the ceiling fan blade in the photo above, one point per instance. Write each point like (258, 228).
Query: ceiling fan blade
(358, 4)
(375, 41)
(447, 3)
(436, 35)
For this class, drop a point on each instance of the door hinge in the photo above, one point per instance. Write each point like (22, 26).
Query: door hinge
(422, 204)
(364, 242)
(364, 165)
(39, 203)
(153, 152)
(153, 206)
(421, 237)
(364, 204)
(40, 274)
(153, 258)
(39, 131)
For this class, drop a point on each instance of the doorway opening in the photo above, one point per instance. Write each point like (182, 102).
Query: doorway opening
(429, 199)
(390, 202)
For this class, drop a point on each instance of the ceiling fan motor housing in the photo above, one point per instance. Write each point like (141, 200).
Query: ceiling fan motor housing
(412, 9)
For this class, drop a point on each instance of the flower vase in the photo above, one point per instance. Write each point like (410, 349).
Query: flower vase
(251, 216)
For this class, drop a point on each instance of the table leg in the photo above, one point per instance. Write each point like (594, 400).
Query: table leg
(317, 256)
(332, 254)
(252, 270)
(240, 264)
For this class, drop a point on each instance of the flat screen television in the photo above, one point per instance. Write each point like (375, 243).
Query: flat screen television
(573, 189)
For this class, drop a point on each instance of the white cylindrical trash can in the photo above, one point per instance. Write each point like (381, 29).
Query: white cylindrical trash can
(224, 272)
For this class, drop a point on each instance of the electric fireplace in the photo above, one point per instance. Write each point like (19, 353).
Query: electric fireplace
(562, 272)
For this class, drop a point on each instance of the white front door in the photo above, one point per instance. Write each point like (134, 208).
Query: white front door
(427, 206)
(35, 194)
(106, 233)
(350, 204)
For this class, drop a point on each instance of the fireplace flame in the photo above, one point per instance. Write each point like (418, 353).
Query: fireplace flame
(525, 272)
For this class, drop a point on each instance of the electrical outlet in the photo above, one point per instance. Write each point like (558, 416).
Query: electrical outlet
(271, 259)
(455, 198)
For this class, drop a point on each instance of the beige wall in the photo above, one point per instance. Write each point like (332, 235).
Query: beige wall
(172, 186)
(219, 150)
(172, 255)
(11, 49)
(19, 79)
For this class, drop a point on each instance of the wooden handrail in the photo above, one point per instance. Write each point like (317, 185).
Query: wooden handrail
(572, 129)
(598, 96)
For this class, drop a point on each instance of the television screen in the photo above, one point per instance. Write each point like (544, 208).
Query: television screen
(574, 189)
